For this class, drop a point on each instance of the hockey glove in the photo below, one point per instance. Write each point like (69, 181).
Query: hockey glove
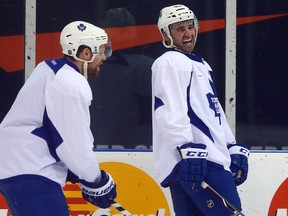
(100, 194)
(239, 154)
(193, 166)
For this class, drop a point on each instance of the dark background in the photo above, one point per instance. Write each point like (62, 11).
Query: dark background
(121, 109)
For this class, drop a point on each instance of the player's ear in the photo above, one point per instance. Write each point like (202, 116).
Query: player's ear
(86, 54)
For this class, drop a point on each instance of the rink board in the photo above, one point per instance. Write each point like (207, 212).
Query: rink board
(263, 194)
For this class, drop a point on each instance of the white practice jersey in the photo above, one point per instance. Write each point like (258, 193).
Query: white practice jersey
(47, 129)
(186, 109)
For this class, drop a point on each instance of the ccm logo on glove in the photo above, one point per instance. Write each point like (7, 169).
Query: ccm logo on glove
(244, 151)
(196, 154)
(192, 168)
(239, 167)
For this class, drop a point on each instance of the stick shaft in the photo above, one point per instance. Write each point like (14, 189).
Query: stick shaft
(222, 199)
(120, 208)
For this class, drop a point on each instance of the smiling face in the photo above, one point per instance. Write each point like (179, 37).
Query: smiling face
(184, 35)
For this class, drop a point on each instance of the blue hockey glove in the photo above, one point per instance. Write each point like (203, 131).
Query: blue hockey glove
(239, 154)
(100, 194)
(193, 166)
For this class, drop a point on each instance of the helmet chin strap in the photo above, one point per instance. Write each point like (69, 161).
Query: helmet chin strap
(85, 65)
(196, 37)
(85, 69)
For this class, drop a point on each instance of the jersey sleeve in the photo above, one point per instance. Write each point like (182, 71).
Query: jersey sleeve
(170, 104)
(67, 105)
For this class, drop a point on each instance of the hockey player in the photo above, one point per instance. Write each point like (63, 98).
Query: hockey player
(192, 141)
(46, 134)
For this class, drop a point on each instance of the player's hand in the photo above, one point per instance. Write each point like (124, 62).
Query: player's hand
(193, 166)
(101, 193)
(239, 154)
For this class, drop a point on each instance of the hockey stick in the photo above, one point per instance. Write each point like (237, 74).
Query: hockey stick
(120, 208)
(222, 199)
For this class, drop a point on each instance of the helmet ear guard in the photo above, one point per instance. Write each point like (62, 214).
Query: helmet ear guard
(167, 43)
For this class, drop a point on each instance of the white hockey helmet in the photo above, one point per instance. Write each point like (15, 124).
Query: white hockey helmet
(79, 33)
(174, 14)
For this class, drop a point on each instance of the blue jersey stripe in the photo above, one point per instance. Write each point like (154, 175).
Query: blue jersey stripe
(49, 133)
(194, 119)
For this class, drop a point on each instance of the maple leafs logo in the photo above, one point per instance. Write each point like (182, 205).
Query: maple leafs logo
(214, 102)
(81, 27)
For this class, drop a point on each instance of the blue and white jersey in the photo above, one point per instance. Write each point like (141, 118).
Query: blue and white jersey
(47, 129)
(186, 109)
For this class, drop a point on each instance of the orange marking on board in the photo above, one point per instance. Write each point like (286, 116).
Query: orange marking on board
(279, 200)
(48, 47)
